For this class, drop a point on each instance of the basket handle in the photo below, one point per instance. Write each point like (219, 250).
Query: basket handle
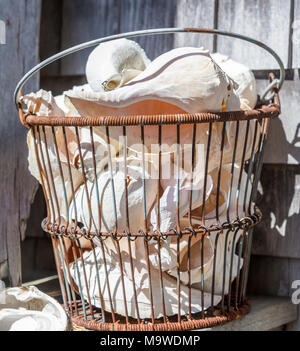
(275, 83)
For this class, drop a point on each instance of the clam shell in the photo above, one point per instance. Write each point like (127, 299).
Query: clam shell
(30, 309)
(111, 221)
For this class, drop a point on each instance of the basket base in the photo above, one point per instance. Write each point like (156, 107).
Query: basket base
(80, 322)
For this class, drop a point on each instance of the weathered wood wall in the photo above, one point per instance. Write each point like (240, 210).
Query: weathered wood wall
(17, 187)
(276, 247)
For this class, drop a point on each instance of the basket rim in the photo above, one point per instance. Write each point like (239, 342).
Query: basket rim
(265, 111)
(207, 322)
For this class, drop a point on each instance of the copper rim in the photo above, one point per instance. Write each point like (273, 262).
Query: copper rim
(169, 326)
(266, 111)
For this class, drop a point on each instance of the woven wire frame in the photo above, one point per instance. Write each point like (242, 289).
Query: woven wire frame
(73, 240)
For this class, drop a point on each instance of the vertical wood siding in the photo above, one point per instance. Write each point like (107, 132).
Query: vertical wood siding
(274, 22)
(17, 186)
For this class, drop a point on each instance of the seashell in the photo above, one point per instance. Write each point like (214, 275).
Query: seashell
(101, 199)
(168, 201)
(247, 93)
(140, 284)
(44, 104)
(243, 76)
(179, 81)
(228, 203)
(195, 264)
(183, 79)
(225, 252)
(27, 308)
(112, 64)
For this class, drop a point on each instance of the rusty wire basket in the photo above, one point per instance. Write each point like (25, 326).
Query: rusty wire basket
(137, 276)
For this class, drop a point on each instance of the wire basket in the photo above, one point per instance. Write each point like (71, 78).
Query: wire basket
(137, 276)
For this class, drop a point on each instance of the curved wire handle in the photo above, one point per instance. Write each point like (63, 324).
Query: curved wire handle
(29, 74)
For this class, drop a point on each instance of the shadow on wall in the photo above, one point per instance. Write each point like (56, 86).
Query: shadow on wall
(279, 191)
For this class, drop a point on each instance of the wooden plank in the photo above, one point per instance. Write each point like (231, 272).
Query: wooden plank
(266, 313)
(83, 21)
(278, 233)
(270, 276)
(38, 212)
(194, 13)
(267, 21)
(17, 186)
(283, 144)
(294, 273)
(50, 34)
(274, 276)
(3, 270)
(58, 84)
(146, 14)
(296, 35)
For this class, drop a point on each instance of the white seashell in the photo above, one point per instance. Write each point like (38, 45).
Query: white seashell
(242, 75)
(227, 248)
(30, 309)
(60, 102)
(43, 103)
(168, 202)
(112, 64)
(112, 218)
(186, 78)
(226, 200)
(141, 285)
(195, 259)
(182, 80)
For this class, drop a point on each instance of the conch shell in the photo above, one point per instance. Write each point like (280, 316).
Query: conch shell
(27, 308)
(112, 64)
(185, 78)
(243, 76)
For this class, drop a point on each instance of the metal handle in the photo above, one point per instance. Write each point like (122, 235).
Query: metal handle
(29, 74)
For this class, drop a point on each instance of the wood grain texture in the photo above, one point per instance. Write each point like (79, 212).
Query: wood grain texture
(17, 186)
(146, 14)
(296, 35)
(194, 13)
(283, 144)
(266, 313)
(274, 276)
(265, 20)
(278, 233)
(83, 21)
(50, 34)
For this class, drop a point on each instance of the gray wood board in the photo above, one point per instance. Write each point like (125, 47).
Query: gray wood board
(194, 13)
(50, 34)
(83, 21)
(283, 145)
(147, 14)
(274, 276)
(266, 314)
(278, 233)
(296, 35)
(264, 20)
(17, 186)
